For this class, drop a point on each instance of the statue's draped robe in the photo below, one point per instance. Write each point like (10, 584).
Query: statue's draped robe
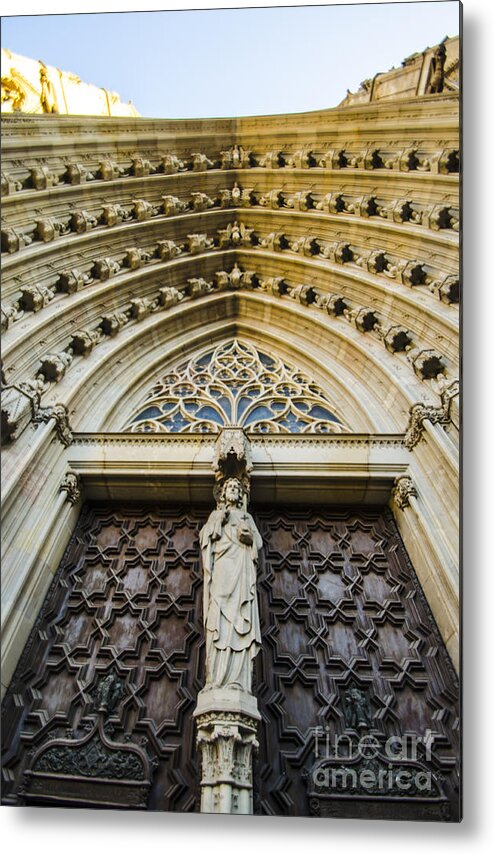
(231, 615)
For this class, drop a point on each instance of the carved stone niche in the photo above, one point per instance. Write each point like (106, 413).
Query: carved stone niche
(232, 455)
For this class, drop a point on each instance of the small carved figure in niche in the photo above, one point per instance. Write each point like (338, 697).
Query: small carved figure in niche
(47, 96)
(357, 709)
(109, 693)
(437, 70)
(230, 543)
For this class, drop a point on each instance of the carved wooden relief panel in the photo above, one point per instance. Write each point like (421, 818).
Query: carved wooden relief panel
(125, 607)
(349, 647)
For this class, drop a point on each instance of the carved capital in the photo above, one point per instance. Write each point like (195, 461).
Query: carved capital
(71, 486)
(403, 490)
(421, 412)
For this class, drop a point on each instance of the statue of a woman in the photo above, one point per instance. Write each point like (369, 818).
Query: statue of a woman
(230, 542)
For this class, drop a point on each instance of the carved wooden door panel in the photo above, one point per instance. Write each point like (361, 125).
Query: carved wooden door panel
(107, 684)
(350, 646)
(125, 606)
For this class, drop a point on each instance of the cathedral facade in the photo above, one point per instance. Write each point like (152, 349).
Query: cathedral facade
(230, 427)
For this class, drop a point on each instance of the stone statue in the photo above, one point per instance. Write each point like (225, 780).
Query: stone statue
(437, 69)
(230, 542)
(47, 96)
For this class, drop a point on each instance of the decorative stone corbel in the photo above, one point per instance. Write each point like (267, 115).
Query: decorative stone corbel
(71, 486)
(232, 455)
(403, 490)
(421, 412)
(61, 417)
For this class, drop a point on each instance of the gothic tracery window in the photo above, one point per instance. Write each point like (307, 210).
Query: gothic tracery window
(235, 384)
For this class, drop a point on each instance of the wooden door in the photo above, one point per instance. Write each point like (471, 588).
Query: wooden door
(126, 602)
(349, 648)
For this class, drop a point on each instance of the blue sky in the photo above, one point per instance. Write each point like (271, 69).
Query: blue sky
(227, 62)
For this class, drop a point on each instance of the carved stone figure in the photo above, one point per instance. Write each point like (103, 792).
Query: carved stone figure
(171, 164)
(172, 205)
(109, 170)
(358, 713)
(198, 287)
(114, 215)
(230, 543)
(104, 268)
(54, 365)
(236, 157)
(49, 229)
(41, 178)
(47, 96)
(109, 692)
(76, 173)
(201, 162)
(135, 257)
(71, 486)
(13, 240)
(35, 297)
(437, 70)
(199, 243)
(111, 324)
(170, 296)
(167, 249)
(144, 210)
(82, 221)
(201, 202)
(141, 167)
(403, 490)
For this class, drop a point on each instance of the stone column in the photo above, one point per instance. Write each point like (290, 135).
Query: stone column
(226, 713)
(226, 738)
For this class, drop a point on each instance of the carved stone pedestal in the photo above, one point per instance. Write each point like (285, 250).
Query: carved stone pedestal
(226, 738)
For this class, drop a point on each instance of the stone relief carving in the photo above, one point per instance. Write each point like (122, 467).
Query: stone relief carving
(54, 365)
(357, 709)
(71, 281)
(61, 417)
(76, 173)
(71, 486)
(403, 490)
(421, 412)
(201, 162)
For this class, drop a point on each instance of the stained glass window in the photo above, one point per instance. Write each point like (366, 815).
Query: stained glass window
(236, 384)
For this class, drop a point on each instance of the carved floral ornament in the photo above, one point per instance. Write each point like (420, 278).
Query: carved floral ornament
(236, 384)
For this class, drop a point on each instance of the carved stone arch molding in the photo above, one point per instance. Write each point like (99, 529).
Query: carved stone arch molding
(372, 388)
